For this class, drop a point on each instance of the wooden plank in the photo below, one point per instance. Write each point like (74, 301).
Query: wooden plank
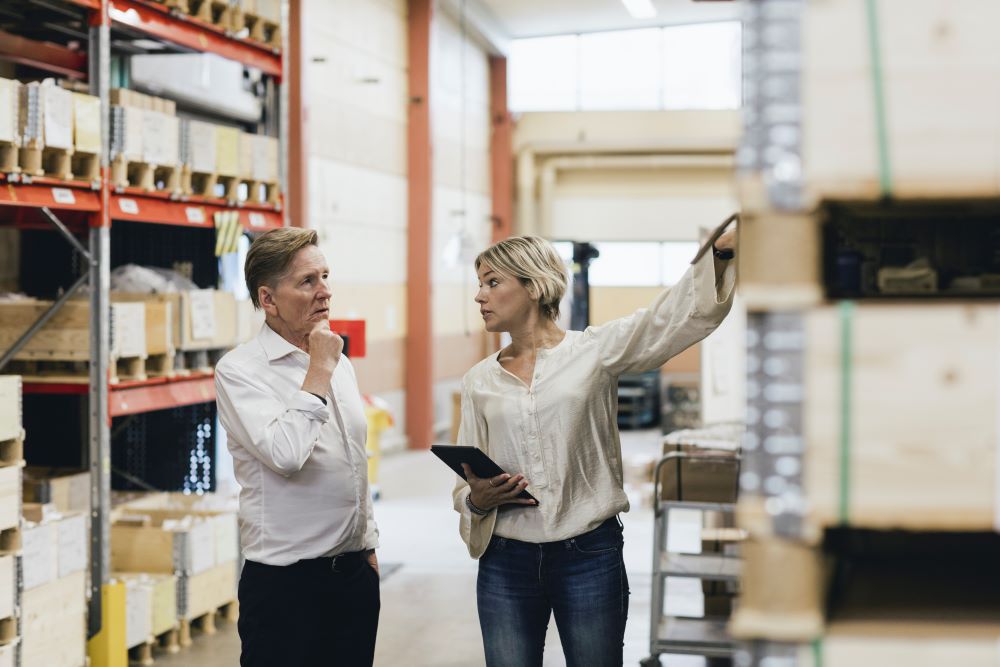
(940, 61)
(209, 590)
(880, 644)
(53, 623)
(10, 497)
(10, 406)
(779, 263)
(925, 392)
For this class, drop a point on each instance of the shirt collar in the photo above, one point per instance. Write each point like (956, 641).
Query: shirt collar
(275, 347)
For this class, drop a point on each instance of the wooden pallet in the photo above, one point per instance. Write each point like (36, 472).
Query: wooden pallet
(216, 12)
(145, 654)
(77, 372)
(206, 623)
(37, 160)
(263, 30)
(12, 451)
(86, 166)
(179, 5)
(262, 192)
(203, 185)
(8, 158)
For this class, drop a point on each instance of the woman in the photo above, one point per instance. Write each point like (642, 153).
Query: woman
(545, 409)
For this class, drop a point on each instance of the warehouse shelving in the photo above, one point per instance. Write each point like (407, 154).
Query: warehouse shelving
(91, 211)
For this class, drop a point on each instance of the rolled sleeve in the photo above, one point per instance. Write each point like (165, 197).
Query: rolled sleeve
(679, 317)
(281, 435)
(476, 530)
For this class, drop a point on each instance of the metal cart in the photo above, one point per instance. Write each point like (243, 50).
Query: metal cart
(674, 634)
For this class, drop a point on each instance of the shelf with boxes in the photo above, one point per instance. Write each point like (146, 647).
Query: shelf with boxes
(870, 268)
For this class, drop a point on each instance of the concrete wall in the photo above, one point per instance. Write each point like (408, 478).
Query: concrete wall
(460, 135)
(356, 88)
(357, 96)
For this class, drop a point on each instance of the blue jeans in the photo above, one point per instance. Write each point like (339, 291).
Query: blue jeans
(581, 580)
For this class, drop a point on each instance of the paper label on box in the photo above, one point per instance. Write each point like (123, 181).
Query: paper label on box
(202, 313)
(129, 206)
(257, 220)
(195, 214)
(683, 596)
(129, 329)
(684, 531)
(63, 196)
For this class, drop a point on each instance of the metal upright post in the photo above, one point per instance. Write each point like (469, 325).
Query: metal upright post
(100, 281)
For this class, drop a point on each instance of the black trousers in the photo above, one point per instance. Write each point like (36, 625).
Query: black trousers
(313, 613)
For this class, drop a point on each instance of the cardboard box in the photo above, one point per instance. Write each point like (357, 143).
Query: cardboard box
(935, 58)
(72, 544)
(160, 139)
(225, 528)
(86, 123)
(10, 407)
(713, 477)
(202, 143)
(54, 623)
(227, 151)
(138, 611)
(201, 319)
(248, 321)
(127, 133)
(68, 490)
(57, 113)
(924, 398)
(159, 321)
(10, 95)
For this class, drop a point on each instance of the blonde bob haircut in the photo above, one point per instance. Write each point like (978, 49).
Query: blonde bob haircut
(270, 256)
(534, 262)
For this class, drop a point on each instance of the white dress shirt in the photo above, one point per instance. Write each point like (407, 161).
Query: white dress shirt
(561, 431)
(301, 465)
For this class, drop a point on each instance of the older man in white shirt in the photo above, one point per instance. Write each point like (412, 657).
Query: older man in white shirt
(289, 401)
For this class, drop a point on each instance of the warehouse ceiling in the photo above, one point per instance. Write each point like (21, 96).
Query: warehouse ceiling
(532, 18)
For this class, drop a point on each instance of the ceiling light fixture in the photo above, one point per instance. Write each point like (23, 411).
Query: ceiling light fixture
(640, 9)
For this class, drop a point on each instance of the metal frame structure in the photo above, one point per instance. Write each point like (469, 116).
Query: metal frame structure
(702, 637)
(100, 206)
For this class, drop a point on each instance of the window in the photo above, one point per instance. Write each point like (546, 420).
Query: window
(678, 67)
(636, 263)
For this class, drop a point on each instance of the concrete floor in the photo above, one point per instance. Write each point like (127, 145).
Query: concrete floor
(429, 616)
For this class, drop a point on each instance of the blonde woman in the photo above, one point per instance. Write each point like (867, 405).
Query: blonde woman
(545, 409)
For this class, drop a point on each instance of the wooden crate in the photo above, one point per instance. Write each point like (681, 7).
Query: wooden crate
(10, 497)
(10, 407)
(54, 623)
(929, 644)
(779, 265)
(138, 611)
(159, 549)
(939, 62)
(923, 413)
(205, 593)
(226, 538)
(66, 488)
(66, 337)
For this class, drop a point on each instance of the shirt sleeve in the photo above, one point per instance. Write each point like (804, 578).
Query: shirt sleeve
(678, 318)
(475, 530)
(280, 432)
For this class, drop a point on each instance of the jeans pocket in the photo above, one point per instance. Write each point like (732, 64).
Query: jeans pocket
(598, 542)
(497, 545)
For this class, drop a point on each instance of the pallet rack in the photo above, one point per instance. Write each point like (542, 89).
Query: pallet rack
(92, 210)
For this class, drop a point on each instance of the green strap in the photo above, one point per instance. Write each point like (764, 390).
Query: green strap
(817, 646)
(884, 168)
(846, 367)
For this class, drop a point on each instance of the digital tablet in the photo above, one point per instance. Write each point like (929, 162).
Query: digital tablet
(481, 465)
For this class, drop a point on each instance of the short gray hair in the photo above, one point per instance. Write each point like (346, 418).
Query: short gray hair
(270, 256)
(534, 262)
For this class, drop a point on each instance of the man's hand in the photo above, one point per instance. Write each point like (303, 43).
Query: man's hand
(491, 492)
(324, 355)
(324, 346)
(373, 561)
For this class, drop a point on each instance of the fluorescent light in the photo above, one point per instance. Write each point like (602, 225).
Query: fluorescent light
(640, 9)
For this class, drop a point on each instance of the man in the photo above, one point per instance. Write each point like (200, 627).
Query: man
(289, 401)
